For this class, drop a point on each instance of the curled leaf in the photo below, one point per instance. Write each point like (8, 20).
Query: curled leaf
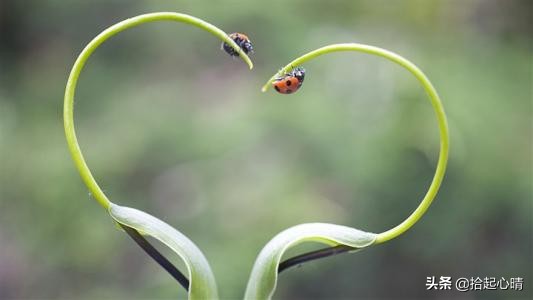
(201, 279)
(263, 280)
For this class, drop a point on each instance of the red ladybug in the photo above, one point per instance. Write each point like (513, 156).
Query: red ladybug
(290, 82)
(242, 41)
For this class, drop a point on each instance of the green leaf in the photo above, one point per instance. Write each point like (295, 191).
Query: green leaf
(263, 280)
(202, 283)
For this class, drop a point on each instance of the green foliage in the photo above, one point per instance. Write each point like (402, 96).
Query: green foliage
(357, 141)
(264, 277)
(202, 281)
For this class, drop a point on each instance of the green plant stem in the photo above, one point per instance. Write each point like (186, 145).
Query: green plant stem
(435, 102)
(68, 110)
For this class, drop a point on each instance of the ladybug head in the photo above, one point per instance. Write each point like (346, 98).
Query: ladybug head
(247, 47)
(299, 73)
(245, 44)
(242, 41)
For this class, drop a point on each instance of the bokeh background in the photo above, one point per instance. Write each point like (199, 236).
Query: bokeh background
(172, 125)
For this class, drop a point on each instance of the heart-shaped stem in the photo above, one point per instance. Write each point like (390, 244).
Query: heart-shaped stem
(196, 263)
(68, 108)
(435, 102)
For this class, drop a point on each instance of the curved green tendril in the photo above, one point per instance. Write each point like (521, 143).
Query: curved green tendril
(68, 111)
(435, 102)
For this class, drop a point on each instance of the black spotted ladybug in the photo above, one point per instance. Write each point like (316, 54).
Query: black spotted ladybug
(242, 41)
(290, 82)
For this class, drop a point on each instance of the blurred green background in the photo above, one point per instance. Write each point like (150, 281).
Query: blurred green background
(172, 125)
